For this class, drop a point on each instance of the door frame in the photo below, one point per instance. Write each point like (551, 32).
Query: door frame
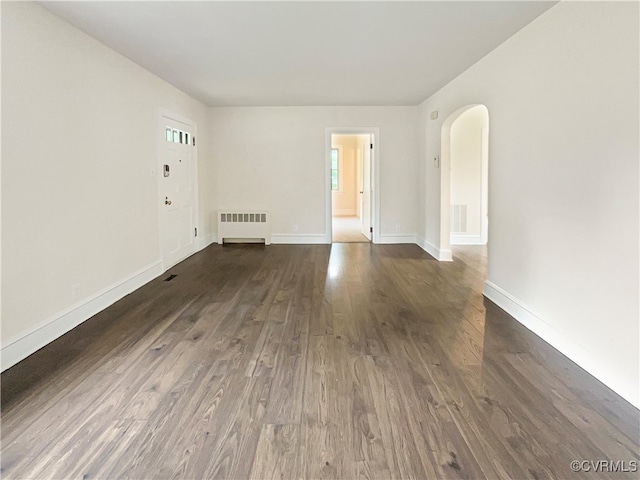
(375, 193)
(157, 171)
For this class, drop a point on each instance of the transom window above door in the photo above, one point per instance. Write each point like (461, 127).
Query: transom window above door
(177, 136)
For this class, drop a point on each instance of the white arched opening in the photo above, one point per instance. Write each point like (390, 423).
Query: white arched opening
(464, 161)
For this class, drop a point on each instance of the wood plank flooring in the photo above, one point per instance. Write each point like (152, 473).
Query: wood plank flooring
(319, 362)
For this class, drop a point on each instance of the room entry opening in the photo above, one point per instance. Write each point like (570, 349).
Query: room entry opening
(464, 178)
(351, 188)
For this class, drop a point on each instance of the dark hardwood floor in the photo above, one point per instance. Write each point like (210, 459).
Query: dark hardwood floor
(345, 361)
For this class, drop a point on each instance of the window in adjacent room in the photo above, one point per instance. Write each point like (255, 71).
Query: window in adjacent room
(334, 169)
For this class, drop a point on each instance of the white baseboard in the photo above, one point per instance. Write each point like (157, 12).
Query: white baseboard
(398, 238)
(565, 345)
(24, 344)
(441, 255)
(204, 242)
(344, 212)
(463, 239)
(298, 238)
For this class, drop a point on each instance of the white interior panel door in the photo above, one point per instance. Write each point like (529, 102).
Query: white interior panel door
(366, 189)
(177, 192)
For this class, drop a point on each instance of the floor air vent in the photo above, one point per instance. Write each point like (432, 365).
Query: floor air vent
(170, 277)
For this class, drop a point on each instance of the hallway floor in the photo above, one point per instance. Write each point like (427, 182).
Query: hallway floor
(347, 230)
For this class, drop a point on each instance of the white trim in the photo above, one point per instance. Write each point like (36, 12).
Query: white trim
(397, 238)
(315, 239)
(484, 191)
(440, 255)
(24, 344)
(376, 186)
(345, 212)
(164, 112)
(204, 242)
(561, 342)
(464, 239)
(375, 192)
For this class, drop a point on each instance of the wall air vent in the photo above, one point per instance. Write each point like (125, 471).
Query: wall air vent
(458, 219)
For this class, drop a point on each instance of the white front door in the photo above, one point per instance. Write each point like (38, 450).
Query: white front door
(177, 191)
(366, 189)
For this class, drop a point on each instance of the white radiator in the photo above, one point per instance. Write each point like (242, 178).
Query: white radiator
(244, 226)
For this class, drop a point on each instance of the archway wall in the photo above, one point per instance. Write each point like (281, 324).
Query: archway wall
(468, 166)
(451, 140)
(563, 181)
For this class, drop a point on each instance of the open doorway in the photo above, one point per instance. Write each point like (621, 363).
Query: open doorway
(464, 216)
(351, 188)
(352, 206)
(469, 156)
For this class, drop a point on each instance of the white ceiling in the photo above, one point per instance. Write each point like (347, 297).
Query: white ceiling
(303, 53)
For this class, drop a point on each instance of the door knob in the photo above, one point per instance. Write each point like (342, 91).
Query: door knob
(167, 201)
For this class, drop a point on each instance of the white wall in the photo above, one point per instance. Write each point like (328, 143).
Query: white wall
(562, 96)
(466, 157)
(274, 158)
(79, 205)
(345, 199)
